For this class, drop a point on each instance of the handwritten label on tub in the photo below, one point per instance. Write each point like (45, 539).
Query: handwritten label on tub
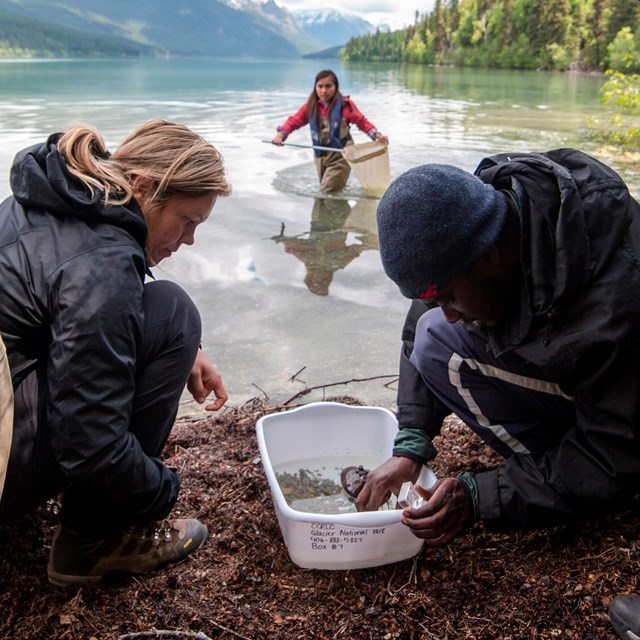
(333, 537)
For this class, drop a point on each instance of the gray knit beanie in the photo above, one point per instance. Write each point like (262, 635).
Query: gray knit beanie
(434, 222)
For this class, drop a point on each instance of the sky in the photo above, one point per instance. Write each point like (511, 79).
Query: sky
(395, 13)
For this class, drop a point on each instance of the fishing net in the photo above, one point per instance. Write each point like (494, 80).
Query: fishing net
(370, 163)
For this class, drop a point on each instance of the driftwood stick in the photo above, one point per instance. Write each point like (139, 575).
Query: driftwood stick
(160, 633)
(297, 373)
(308, 390)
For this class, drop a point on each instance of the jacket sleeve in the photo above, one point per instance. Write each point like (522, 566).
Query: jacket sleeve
(352, 115)
(420, 413)
(296, 121)
(596, 465)
(95, 303)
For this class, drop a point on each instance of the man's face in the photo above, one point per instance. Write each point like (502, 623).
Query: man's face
(481, 296)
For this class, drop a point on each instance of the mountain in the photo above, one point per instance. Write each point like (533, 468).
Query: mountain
(332, 27)
(22, 36)
(281, 20)
(241, 28)
(311, 30)
(187, 27)
(332, 53)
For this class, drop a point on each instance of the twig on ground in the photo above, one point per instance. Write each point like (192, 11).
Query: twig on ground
(262, 391)
(308, 390)
(297, 373)
(391, 577)
(160, 633)
(388, 384)
(233, 633)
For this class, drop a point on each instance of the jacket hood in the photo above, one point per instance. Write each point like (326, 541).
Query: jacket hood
(41, 180)
(566, 239)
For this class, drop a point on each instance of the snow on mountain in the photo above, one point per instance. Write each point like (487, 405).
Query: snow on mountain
(308, 29)
(280, 19)
(331, 26)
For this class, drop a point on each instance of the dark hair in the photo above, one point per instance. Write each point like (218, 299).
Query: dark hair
(312, 100)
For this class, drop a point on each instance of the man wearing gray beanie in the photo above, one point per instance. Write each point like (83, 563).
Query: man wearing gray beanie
(525, 322)
(434, 222)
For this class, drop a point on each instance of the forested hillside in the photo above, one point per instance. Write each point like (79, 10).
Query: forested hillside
(520, 34)
(25, 37)
(185, 28)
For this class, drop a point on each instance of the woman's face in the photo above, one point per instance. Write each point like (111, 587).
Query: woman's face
(325, 89)
(174, 224)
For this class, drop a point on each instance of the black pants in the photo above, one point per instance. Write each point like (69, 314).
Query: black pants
(170, 340)
(510, 403)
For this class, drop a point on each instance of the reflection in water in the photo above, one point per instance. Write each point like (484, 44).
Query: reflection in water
(431, 114)
(302, 180)
(338, 235)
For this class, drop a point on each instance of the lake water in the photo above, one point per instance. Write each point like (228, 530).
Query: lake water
(289, 283)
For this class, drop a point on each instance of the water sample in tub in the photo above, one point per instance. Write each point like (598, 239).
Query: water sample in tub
(335, 503)
(313, 485)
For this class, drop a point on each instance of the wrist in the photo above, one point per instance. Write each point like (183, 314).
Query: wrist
(468, 482)
(414, 443)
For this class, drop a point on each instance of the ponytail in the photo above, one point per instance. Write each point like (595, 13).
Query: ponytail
(87, 158)
(169, 157)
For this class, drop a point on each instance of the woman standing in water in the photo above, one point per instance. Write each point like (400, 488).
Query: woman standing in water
(329, 114)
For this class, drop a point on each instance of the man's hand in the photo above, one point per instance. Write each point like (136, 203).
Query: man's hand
(203, 379)
(278, 139)
(447, 513)
(388, 477)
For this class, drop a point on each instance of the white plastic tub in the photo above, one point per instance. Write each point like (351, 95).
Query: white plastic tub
(327, 430)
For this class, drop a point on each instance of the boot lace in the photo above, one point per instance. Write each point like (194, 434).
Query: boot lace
(158, 532)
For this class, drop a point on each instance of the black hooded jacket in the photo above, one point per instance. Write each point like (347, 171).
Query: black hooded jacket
(579, 320)
(71, 282)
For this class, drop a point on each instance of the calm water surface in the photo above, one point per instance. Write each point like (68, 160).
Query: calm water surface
(289, 282)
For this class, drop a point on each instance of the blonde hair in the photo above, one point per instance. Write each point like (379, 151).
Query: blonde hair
(169, 157)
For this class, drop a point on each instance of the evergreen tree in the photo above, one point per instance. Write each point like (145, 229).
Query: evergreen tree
(595, 45)
(527, 34)
(440, 40)
(622, 13)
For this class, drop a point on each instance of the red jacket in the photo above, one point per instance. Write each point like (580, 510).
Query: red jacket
(350, 114)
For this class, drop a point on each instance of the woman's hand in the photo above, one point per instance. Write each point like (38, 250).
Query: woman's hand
(386, 478)
(447, 513)
(381, 138)
(278, 139)
(204, 379)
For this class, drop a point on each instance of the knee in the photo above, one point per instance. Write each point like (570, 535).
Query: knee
(334, 180)
(433, 329)
(166, 302)
(332, 185)
(436, 342)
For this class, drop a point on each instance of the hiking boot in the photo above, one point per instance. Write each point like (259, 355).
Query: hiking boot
(353, 480)
(624, 613)
(76, 559)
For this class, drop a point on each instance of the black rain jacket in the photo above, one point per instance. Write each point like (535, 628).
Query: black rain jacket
(581, 325)
(71, 281)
